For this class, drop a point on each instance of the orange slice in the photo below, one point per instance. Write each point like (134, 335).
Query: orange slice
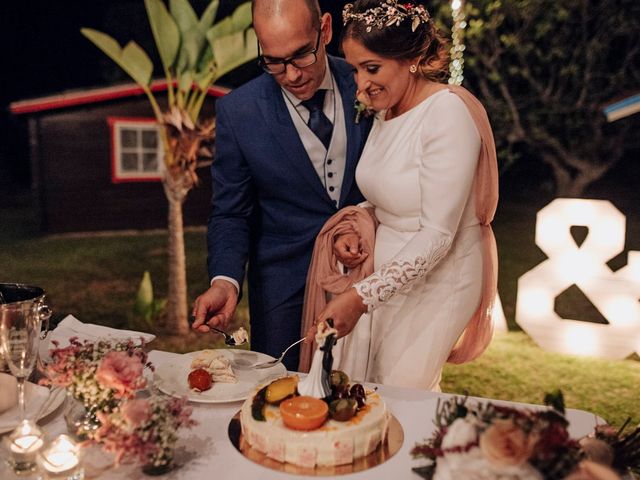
(304, 413)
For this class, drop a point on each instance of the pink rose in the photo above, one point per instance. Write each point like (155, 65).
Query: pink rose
(136, 411)
(505, 443)
(588, 470)
(121, 372)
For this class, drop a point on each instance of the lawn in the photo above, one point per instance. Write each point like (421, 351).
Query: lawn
(95, 277)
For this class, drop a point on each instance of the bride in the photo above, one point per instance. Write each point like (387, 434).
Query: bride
(429, 171)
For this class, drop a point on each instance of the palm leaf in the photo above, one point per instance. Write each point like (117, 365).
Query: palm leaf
(165, 31)
(132, 59)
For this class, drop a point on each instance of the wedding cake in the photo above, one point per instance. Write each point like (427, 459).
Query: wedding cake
(318, 421)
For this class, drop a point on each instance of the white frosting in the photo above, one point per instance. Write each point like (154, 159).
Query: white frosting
(8, 392)
(335, 443)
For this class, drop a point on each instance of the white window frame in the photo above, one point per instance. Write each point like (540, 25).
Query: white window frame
(116, 126)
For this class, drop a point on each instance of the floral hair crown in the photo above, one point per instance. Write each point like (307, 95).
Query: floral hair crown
(390, 12)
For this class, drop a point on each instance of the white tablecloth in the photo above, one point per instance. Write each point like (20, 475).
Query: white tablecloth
(205, 451)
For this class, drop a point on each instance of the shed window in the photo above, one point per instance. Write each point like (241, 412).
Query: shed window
(136, 150)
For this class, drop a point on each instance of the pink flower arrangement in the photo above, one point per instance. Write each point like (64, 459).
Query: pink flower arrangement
(98, 374)
(122, 372)
(144, 429)
(490, 442)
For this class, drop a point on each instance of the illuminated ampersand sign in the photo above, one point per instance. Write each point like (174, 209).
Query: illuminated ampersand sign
(614, 294)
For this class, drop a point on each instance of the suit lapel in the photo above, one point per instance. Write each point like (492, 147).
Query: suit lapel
(276, 114)
(344, 79)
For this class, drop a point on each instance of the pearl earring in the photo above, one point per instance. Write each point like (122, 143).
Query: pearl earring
(413, 69)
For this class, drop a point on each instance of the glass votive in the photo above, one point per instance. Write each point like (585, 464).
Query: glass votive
(61, 460)
(23, 444)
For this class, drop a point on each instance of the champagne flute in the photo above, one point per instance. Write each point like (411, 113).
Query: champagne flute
(19, 337)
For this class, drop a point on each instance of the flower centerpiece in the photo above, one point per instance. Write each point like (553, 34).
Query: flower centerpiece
(487, 441)
(99, 375)
(144, 430)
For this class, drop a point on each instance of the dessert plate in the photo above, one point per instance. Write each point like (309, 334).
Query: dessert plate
(171, 378)
(36, 397)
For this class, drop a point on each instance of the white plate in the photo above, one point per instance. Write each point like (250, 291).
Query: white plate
(35, 398)
(171, 378)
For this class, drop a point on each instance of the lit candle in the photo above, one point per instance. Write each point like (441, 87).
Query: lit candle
(61, 460)
(24, 443)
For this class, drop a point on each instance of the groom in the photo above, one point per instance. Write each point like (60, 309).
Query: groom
(286, 151)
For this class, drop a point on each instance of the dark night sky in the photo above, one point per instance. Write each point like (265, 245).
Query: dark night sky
(44, 53)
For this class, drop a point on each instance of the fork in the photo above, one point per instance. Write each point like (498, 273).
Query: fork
(278, 360)
(228, 339)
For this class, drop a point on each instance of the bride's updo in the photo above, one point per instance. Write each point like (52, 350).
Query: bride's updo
(398, 30)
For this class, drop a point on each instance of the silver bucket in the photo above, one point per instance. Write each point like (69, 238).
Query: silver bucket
(19, 302)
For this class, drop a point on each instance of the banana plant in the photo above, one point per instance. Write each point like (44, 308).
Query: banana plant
(194, 52)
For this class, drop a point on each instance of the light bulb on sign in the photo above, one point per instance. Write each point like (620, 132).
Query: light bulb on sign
(614, 294)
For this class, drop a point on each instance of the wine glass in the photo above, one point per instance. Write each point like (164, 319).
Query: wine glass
(19, 337)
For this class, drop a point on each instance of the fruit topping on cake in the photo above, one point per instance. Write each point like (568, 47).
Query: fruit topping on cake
(304, 413)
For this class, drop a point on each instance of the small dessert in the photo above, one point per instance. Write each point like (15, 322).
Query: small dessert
(240, 336)
(217, 364)
(200, 380)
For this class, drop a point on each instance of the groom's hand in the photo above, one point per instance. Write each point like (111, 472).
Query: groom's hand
(215, 307)
(347, 250)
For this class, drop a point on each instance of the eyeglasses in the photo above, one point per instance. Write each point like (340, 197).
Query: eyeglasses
(301, 60)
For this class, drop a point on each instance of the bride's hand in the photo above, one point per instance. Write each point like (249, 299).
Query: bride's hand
(347, 250)
(345, 310)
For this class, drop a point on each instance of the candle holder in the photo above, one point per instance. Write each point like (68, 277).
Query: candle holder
(62, 460)
(23, 444)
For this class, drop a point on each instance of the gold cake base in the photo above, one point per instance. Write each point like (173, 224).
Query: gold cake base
(395, 438)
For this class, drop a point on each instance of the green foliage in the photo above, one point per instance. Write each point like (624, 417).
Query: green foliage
(146, 306)
(132, 59)
(544, 69)
(194, 52)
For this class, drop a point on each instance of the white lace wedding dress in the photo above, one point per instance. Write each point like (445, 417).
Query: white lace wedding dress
(417, 170)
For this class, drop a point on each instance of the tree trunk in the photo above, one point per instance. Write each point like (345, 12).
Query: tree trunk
(174, 321)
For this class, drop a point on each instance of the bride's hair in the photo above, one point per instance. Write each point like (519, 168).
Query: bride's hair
(399, 41)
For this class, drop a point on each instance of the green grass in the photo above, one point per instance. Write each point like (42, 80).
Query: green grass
(95, 277)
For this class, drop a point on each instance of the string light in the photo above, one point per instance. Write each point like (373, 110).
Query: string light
(456, 67)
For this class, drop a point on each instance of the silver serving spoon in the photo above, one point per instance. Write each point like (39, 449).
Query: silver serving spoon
(278, 360)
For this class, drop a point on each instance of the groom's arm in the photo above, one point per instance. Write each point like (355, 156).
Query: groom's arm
(228, 233)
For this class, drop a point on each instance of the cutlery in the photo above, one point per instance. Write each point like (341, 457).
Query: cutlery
(228, 339)
(278, 360)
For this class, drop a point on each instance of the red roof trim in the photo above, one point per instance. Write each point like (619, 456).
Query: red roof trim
(72, 99)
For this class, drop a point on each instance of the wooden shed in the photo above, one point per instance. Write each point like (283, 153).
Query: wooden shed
(96, 160)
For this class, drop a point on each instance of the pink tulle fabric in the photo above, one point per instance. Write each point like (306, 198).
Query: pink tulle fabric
(324, 275)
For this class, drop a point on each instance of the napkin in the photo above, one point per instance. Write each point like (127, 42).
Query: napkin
(8, 392)
(34, 398)
(70, 326)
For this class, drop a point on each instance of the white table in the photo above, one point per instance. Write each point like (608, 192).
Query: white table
(205, 451)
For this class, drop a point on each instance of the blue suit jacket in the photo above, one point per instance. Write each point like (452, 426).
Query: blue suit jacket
(268, 203)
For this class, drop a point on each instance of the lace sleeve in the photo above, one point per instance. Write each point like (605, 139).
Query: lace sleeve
(398, 275)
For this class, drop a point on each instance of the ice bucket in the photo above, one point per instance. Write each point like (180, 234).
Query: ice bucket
(26, 301)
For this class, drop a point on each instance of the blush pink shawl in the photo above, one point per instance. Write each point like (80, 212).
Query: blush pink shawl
(324, 275)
